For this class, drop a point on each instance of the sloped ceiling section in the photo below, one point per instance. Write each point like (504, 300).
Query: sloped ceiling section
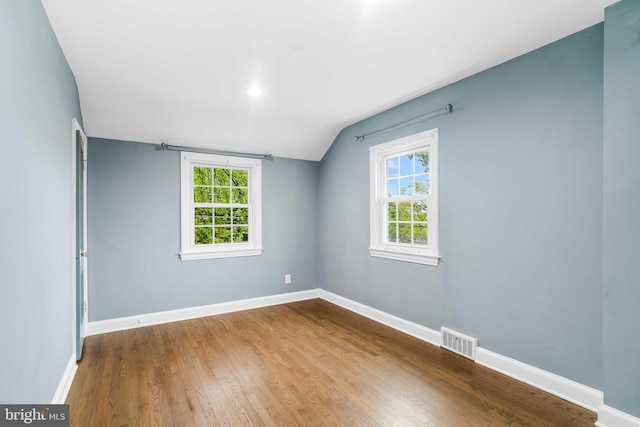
(178, 71)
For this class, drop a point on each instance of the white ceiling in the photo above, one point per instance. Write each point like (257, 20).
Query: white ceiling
(178, 70)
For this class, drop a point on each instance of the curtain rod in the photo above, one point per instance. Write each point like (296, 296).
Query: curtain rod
(165, 146)
(446, 109)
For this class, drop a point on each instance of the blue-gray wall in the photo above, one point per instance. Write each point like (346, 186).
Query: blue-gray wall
(134, 235)
(621, 282)
(520, 205)
(39, 98)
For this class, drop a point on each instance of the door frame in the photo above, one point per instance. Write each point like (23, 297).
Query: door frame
(75, 127)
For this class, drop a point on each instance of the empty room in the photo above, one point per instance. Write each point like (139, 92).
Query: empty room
(302, 213)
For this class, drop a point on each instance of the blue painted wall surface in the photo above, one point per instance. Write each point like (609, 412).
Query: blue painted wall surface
(621, 282)
(39, 98)
(134, 235)
(521, 211)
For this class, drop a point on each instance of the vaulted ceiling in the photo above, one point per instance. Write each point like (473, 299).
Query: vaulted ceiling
(179, 71)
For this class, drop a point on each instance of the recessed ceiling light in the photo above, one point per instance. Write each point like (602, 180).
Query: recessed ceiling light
(298, 52)
(254, 92)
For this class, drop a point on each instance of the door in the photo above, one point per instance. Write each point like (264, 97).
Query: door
(81, 237)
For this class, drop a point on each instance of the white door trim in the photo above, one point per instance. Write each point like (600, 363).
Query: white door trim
(75, 127)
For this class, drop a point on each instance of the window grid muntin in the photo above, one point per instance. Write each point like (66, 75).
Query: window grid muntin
(384, 213)
(242, 228)
(396, 175)
(405, 178)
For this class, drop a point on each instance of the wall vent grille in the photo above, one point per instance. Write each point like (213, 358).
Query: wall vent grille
(458, 343)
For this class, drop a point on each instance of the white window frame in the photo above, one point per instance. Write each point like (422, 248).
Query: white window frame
(378, 154)
(188, 249)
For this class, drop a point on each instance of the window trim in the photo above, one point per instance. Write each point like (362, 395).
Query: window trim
(429, 254)
(188, 249)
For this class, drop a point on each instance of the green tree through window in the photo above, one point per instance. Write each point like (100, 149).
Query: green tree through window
(221, 205)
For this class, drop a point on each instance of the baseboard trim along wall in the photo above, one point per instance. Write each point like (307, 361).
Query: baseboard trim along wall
(611, 417)
(421, 332)
(130, 322)
(65, 382)
(564, 388)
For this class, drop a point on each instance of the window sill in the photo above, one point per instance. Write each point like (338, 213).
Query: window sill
(190, 256)
(418, 258)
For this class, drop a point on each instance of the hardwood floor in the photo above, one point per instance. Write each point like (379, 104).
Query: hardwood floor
(308, 363)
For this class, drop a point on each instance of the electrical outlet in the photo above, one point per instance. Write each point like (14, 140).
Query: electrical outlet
(287, 279)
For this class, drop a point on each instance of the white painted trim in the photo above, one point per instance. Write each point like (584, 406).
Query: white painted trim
(65, 382)
(85, 232)
(188, 250)
(123, 323)
(572, 391)
(417, 257)
(402, 325)
(426, 255)
(75, 126)
(72, 285)
(611, 417)
(229, 253)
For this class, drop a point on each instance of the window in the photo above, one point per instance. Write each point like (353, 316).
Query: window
(221, 206)
(404, 199)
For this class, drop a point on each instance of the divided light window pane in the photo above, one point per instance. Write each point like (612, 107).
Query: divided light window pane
(404, 213)
(221, 205)
(407, 175)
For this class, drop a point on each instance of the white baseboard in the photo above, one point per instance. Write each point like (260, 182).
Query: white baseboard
(611, 417)
(564, 388)
(65, 382)
(130, 322)
(582, 395)
(397, 323)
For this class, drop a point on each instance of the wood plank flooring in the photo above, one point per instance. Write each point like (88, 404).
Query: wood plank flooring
(308, 363)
